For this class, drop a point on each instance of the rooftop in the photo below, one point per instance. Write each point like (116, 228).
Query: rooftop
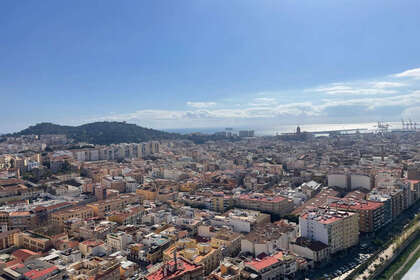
(258, 264)
(261, 197)
(326, 216)
(355, 204)
(183, 267)
(311, 244)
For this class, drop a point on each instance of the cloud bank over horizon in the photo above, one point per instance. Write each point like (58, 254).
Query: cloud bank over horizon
(387, 98)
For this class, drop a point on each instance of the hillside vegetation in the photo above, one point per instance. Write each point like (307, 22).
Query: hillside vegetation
(101, 132)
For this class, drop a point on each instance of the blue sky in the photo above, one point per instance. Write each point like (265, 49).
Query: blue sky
(213, 63)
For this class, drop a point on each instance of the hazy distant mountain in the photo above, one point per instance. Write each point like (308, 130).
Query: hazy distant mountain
(101, 132)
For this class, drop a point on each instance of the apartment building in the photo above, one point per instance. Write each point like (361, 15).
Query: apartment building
(310, 249)
(337, 229)
(155, 244)
(147, 192)
(117, 151)
(229, 269)
(371, 213)
(395, 195)
(277, 205)
(113, 204)
(130, 216)
(229, 242)
(114, 182)
(94, 269)
(32, 241)
(221, 202)
(277, 266)
(118, 241)
(7, 238)
(179, 269)
(92, 248)
(21, 220)
(91, 230)
(199, 253)
(81, 212)
(268, 238)
(243, 220)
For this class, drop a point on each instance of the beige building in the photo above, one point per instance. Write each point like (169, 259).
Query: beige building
(81, 212)
(337, 229)
(229, 242)
(118, 241)
(148, 192)
(108, 205)
(94, 269)
(277, 205)
(199, 253)
(32, 241)
(221, 202)
(229, 269)
(7, 238)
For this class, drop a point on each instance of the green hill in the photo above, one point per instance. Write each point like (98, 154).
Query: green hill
(101, 132)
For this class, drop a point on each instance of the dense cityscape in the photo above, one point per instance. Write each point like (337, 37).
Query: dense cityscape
(209, 140)
(292, 206)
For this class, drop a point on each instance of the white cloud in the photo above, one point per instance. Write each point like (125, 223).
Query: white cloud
(201, 104)
(176, 117)
(412, 73)
(385, 84)
(263, 101)
(374, 102)
(376, 87)
(355, 89)
(387, 96)
(206, 117)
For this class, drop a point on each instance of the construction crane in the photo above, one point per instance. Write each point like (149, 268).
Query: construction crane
(408, 125)
(382, 127)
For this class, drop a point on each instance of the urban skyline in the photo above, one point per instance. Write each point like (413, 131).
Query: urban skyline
(199, 64)
(209, 140)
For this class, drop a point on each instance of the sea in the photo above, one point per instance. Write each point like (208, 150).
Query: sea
(280, 129)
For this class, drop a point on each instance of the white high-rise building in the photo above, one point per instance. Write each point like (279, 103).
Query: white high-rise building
(337, 229)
